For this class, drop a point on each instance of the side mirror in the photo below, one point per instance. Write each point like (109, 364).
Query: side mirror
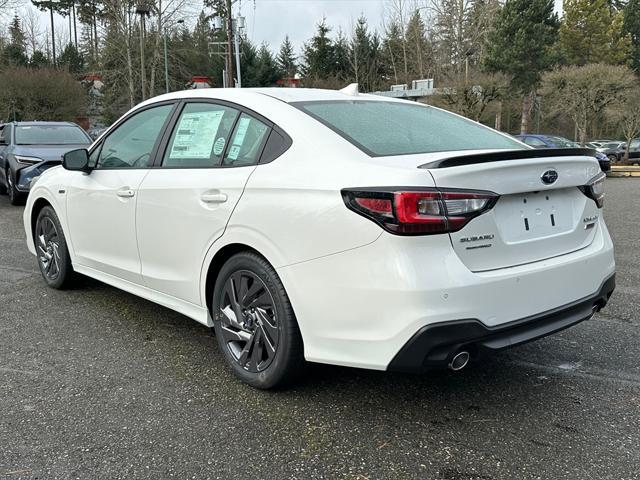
(76, 160)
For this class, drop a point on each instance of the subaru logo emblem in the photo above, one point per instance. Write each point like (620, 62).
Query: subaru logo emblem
(549, 177)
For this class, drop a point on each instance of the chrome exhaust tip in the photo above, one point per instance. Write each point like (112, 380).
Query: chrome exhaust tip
(459, 361)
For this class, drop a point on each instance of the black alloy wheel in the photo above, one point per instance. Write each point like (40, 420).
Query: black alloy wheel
(254, 322)
(51, 249)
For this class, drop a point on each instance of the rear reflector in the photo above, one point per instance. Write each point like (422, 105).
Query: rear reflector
(419, 211)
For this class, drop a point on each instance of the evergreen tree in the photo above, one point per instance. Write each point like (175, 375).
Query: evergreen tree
(38, 60)
(631, 14)
(286, 59)
(392, 55)
(15, 53)
(71, 59)
(591, 32)
(341, 58)
(363, 56)
(266, 69)
(521, 46)
(319, 55)
(418, 48)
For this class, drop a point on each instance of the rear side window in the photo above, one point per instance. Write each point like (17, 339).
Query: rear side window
(247, 142)
(382, 128)
(200, 136)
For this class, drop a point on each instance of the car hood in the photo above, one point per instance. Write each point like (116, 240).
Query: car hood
(46, 152)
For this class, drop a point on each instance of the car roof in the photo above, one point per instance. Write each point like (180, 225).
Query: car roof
(43, 123)
(287, 95)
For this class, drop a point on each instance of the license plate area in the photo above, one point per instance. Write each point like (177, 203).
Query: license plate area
(534, 215)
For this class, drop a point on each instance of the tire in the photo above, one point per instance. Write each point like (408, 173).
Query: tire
(51, 250)
(264, 348)
(613, 158)
(15, 197)
(3, 188)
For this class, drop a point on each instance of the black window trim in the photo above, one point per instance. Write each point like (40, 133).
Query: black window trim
(166, 137)
(154, 150)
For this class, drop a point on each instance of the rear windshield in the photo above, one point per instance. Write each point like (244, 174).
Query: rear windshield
(382, 128)
(50, 135)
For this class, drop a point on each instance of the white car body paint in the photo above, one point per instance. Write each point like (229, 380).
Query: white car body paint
(359, 292)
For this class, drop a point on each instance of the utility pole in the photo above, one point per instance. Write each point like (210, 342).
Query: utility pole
(229, 44)
(144, 10)
(233, 27)
(53, 35)
(239, 23)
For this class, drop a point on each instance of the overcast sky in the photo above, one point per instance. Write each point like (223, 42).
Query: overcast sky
(270, 20)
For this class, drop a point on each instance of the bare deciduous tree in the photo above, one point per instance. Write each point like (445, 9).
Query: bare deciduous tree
(584, 93)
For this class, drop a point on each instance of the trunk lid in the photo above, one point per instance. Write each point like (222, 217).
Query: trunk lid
(533, 220)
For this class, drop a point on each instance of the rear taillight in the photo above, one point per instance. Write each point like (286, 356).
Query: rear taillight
(595, 189)
(419, 211)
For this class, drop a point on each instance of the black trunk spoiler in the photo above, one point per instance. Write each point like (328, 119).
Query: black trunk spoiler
(505, 155)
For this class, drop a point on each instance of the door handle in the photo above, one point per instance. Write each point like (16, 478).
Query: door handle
(125, 192)
(213, 197)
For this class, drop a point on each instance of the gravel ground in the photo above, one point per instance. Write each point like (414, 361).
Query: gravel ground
(98, 384)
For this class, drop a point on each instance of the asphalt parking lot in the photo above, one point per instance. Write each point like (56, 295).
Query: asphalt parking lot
(96, 383)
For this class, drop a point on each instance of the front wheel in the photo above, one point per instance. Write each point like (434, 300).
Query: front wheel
(613, 158)
(255, 324)
(51, 249)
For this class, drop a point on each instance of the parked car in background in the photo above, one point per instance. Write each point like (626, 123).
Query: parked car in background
(634, 151)
(553, 141)
(547, 141)
(334, 227)
(29, 148)
(613, 150)
(599, 143)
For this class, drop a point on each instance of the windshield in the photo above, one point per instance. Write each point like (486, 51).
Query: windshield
(563, 142)
(382, 128)
(611, 145)
(50, 135)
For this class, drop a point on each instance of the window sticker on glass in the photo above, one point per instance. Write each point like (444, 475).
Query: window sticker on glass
(234, 151)
(195, 134)
(218, 147)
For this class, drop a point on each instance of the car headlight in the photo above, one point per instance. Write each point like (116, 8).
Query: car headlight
(27, 160)
(601, 156)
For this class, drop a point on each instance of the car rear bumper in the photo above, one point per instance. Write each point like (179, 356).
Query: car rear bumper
(433, 346)
(360, 307)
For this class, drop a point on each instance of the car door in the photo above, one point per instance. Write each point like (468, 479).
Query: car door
(101, 204)
(185, 203)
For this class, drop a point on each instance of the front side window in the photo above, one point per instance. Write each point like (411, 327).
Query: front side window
(51, 135)
(247, 141)
(130, 145)
(635, 145)
(383, 128)
(200, 136)
(4, 135)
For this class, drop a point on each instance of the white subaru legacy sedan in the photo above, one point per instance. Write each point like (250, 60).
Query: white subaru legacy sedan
(330, 227)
